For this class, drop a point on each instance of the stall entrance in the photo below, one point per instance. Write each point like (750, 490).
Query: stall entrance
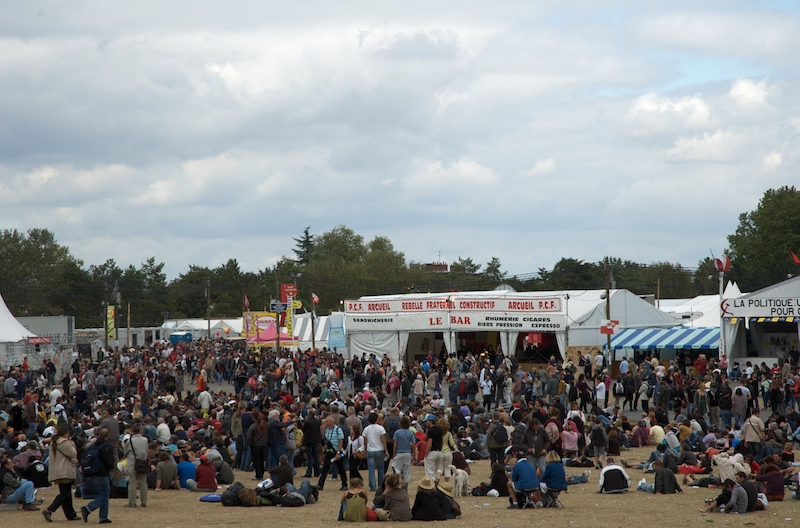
(420, 344)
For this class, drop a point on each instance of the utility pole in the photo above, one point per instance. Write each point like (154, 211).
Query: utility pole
(607, 266)
(208, 307)
(313, 316)
(105, 310)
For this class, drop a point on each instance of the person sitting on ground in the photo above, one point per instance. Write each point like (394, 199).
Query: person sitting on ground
(224, 470)
(613, 479)
(426, 507)
(523, 479)
(449, 506)
(499, 480)
(583, 478)
(665, 481)
(354, 502)
(738, 500)
(283, 473)
(206, 477)
(186, 470)
(16, 490)
(393, 504)
(771, 475)
(167, 472)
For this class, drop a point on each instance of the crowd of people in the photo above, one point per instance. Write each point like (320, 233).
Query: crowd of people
(143, 419)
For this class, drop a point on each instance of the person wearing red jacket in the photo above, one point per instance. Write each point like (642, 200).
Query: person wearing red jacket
(205, 477)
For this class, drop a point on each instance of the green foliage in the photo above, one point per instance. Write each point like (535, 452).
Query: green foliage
(492, 272)
(41, 277)
(304, 247)
(760, 247)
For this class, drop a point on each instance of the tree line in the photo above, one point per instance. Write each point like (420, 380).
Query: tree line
(39, 276)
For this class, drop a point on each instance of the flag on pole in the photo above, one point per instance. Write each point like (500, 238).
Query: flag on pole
(795, 258)
(246, 302)
(314, 298)
(607, 326)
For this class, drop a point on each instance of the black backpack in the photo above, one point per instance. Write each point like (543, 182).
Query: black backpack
(92, 460)
(230, 497)
(597, 437)
(500, 434)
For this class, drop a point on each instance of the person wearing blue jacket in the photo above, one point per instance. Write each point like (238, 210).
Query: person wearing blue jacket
(554, 477)
(523, 478)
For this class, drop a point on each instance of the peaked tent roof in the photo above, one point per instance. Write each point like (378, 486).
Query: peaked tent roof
(678, 337)
(11, 330)
(782, 290)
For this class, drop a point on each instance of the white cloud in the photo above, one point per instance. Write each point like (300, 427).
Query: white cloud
(720, 146)
(540, 167)
(749, 92)
(656, 110)
(772, 160)
(458, 176)
(194, 117)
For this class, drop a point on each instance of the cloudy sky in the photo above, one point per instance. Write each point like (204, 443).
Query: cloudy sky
(198, 131)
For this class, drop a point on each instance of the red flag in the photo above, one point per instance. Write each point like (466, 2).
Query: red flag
(314, 297)
(727, 264)
(608, 327)
(794, 257)
(718, 264)
(246, 302)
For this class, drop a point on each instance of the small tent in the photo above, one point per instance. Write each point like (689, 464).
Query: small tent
(11, 331)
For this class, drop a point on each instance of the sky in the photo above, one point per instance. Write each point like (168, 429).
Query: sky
(197, 131)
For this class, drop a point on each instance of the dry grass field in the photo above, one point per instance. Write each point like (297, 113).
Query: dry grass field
(583, 507)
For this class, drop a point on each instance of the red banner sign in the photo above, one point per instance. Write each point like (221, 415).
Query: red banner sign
(39, 341)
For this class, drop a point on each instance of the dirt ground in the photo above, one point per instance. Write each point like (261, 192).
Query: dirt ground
(583, 507)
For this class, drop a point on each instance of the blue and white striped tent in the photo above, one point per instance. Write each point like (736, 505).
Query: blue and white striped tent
(661, 338)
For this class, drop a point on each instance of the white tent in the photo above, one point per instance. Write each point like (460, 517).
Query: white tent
(702, 311)
(11, 331)
(302, 330)
(382, 324)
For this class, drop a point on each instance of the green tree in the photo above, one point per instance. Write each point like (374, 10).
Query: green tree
(706, 277)
(572, 274)
(465, 265)
(492, 271)
(34, 271)
(760, 247)
(304, 246)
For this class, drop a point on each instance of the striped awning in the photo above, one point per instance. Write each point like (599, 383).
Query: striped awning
(659, 338)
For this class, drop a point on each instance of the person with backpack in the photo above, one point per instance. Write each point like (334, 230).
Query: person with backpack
(496, 439)
(619, 391)
(96, 465)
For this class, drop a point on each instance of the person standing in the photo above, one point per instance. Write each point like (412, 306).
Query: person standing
(257, 440)
(101, 480)
(32, 414)
(62, 471)
(377, 453)
(753, 434)
(311, 440)
(405, 449)
(334, 451)
(496, 439)
(136, 450)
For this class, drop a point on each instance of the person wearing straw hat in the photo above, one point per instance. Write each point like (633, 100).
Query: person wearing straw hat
(426, 506)
(444, 494)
